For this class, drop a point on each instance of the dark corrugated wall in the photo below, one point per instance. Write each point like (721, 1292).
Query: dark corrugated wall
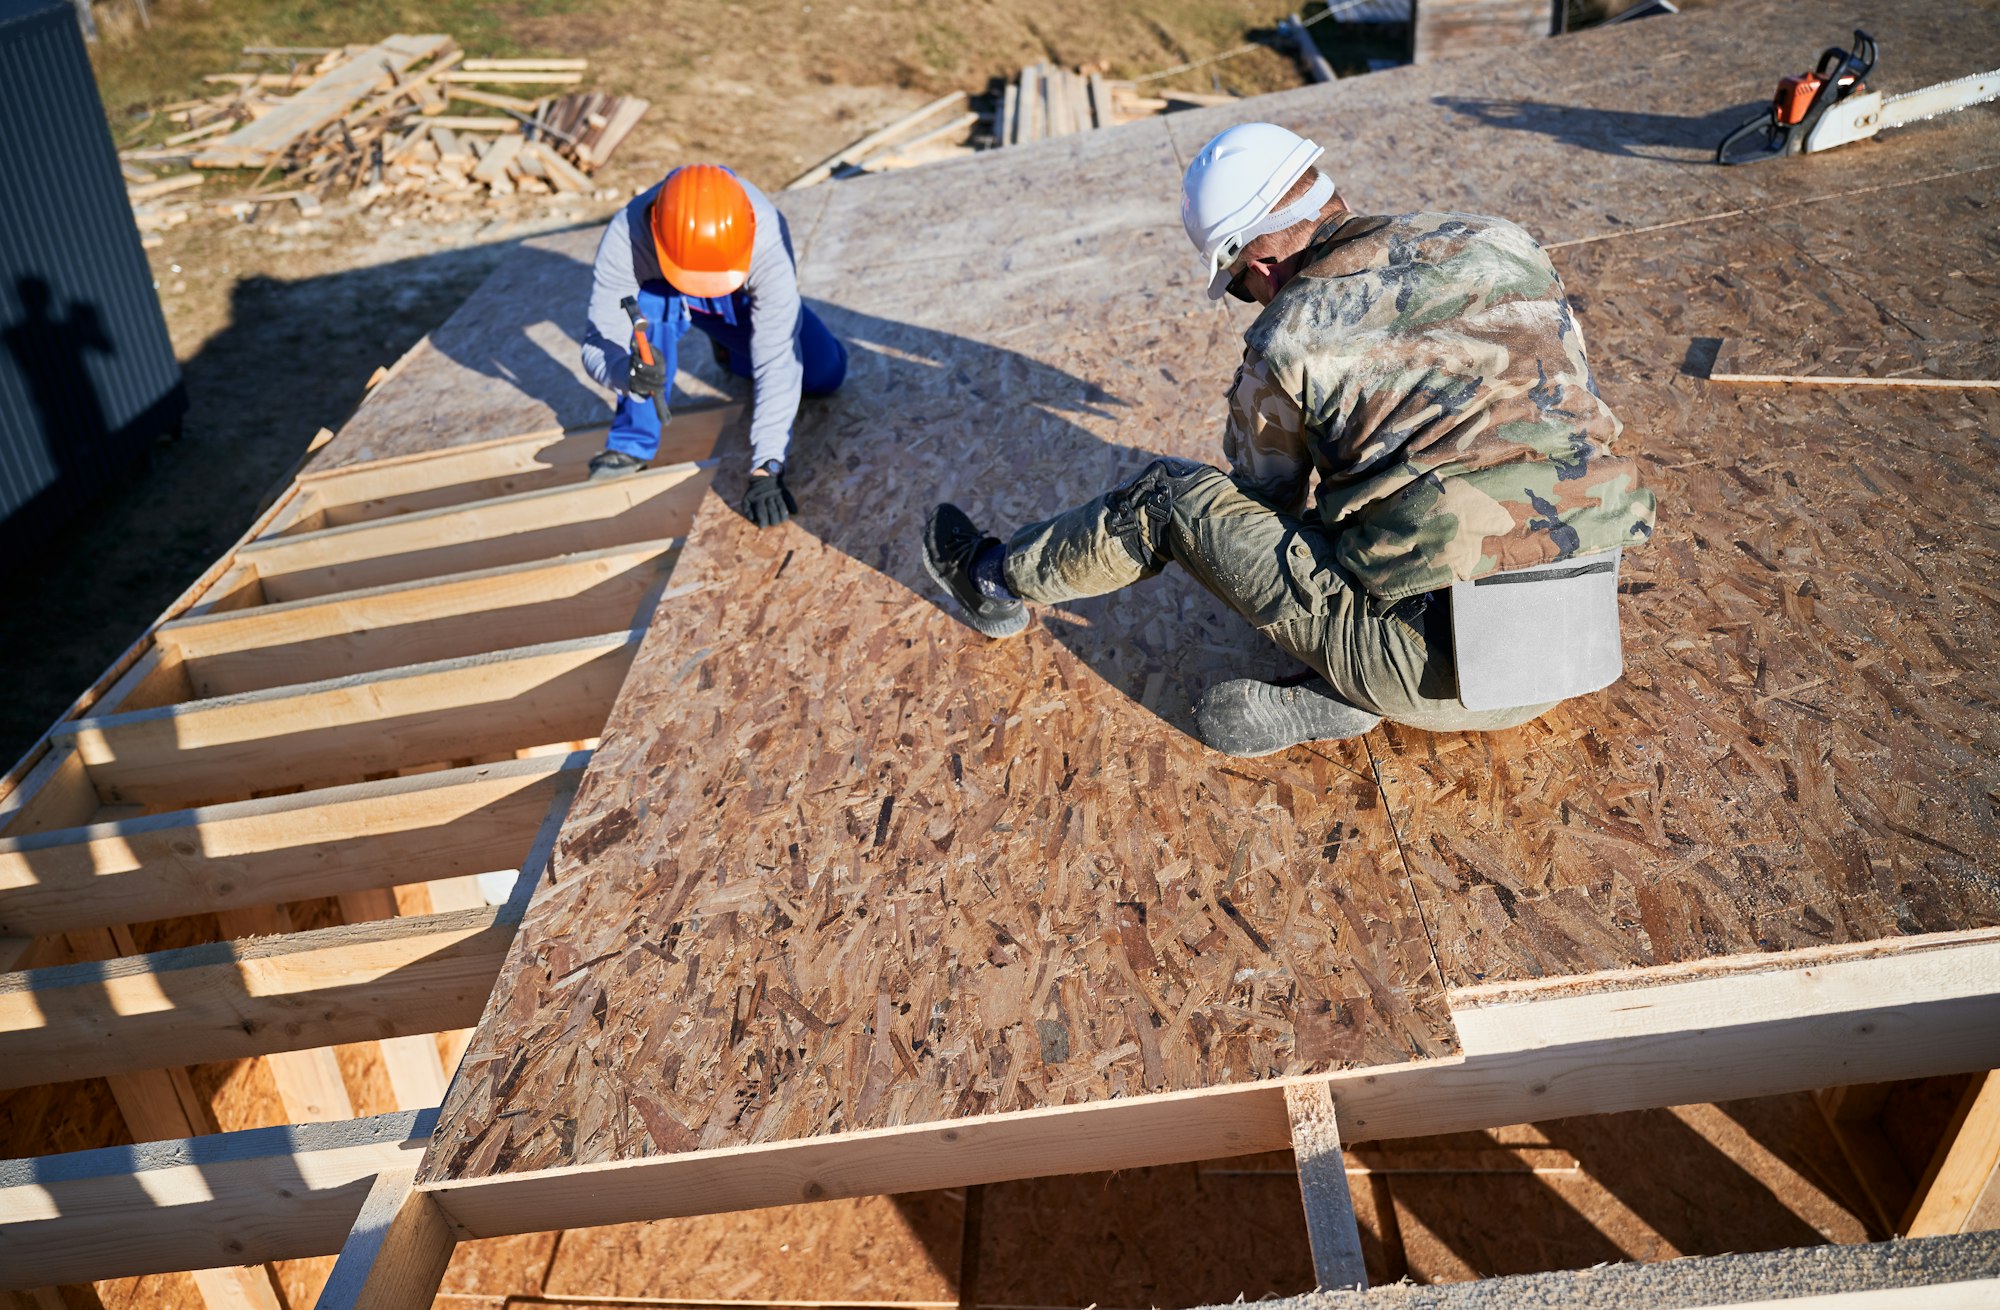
(87, 375)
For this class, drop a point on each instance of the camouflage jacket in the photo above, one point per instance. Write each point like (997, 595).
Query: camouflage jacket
(1428, 369)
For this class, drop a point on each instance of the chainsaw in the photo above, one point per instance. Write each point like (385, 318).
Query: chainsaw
(1832, 105)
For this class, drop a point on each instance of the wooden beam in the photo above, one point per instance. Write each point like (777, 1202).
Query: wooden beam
(395, 1257)
(323, 734)
(406, 484)
(232, 1000)
(417, 622)
(266, 1194)
(1747, 1026)
(1853, 1115)
(1966, 1165)
(1331, 1227)
(284, 848)
(56, 793)
(533, 525)
(309, 1082)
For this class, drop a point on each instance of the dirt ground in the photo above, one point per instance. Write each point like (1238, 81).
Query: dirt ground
(280, 324)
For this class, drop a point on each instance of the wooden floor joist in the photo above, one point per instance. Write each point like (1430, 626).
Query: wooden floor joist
(338, 731)
(283, 848)
(395, 1256)
(226, 1199)
(485, 470)
(235, 999)
(449, 617)
(1740, 1027)
(533, 525)
(1331, 1226)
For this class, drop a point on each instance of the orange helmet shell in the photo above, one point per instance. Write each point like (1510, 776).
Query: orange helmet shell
(703, 229)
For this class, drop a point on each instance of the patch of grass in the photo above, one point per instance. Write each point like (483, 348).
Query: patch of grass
(141, 67)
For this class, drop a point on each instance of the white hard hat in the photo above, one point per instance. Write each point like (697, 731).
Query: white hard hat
(1231, 188)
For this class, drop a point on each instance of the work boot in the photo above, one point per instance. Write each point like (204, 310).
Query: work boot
(1245, 717)
(951, 543)
(613, 464)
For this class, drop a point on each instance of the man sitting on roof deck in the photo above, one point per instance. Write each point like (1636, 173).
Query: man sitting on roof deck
(706, 249)
(1459, 570)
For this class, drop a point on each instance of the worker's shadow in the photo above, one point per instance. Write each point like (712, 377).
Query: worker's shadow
(1632, 133)
(928, 416)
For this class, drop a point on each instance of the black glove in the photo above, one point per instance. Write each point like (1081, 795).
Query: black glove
(767, 503)
(647, 379)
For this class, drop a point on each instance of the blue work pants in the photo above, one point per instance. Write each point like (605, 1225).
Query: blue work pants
(635, 426)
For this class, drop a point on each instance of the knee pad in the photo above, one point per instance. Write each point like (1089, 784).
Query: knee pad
(1139, 511)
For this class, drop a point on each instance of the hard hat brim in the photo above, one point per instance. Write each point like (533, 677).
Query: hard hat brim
(706, 283)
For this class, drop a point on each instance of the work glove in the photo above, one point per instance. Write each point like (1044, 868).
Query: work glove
(647, 379)
(767, 503)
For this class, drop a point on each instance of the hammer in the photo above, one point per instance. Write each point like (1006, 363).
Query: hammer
(643, 346)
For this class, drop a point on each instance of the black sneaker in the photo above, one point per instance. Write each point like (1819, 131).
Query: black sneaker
(1245, 717)
(613, 464)
(951, 542)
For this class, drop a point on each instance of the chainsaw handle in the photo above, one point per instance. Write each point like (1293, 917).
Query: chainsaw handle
(1764, 121)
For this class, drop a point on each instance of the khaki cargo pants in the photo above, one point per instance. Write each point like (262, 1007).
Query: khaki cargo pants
(1278, 572)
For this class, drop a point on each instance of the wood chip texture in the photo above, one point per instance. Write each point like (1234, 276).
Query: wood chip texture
(840, 864)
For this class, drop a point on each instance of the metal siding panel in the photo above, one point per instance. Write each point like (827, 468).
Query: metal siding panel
(101, 390)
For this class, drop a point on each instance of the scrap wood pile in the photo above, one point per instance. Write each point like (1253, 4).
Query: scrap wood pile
(378, 120)
(1049, 101)
(1046, 101)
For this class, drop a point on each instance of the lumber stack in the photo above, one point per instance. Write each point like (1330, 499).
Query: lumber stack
(1050, 101)
(380, 120)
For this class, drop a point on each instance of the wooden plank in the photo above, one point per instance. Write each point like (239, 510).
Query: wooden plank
(492, 167)
(880, 137)
(457, 475)
(1004, 128)
(266, 1194)
(234, 1000)
(55, 794)
(1317, 69)
(1894, 361)
(395, 1257)
(326, 98)
(517, 65)
(1919, 1007)
(309, 1082)
(1444, 28)
(545, 76)
(1965, 1167)
(1331, 1226)
(533, 525)
(1853, 1116)
(417, 622)
(282, 848)
(328, 733)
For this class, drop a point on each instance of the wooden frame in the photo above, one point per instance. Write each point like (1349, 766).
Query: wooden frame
(344, 639)
(1750, 1026)
(318, 843)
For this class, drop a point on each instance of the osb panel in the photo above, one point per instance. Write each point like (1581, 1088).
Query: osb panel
(839, 864)
(1175, 1236)
(507, 1266)
(1571, 139)
(59, 1117)
(1802, 749)
(153, 1292)
(506, 363)
(881, 1249)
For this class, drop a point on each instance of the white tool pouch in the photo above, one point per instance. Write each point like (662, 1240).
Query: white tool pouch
(1531, 636)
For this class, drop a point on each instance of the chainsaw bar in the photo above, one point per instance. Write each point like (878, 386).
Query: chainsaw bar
(1943, 98)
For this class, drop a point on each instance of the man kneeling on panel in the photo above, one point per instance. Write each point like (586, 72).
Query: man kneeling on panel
(1459, 569)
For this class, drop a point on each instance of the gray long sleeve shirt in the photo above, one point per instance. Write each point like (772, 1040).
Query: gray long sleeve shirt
(770, 297)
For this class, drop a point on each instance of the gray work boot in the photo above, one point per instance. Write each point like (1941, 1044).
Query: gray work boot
(613, 464)
(1245, 717)
(951, 543)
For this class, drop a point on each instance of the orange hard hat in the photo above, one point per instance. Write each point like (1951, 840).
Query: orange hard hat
(703, 228)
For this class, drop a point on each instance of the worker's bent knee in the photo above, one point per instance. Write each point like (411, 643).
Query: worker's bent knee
(1140, 512)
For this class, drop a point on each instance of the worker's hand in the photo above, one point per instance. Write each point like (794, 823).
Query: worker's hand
(647, 379)
(767, 503)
